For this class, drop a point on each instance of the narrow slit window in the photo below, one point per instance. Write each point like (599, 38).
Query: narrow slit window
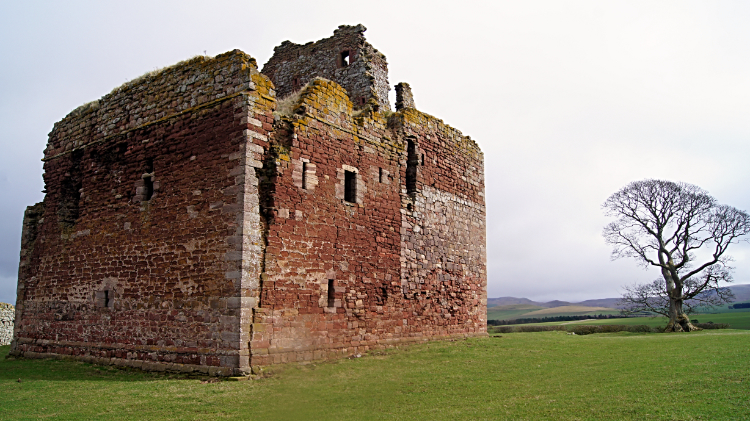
(149, 183)
(304, 175)
(380, 175)
(345, 59)
(148, 179)
(104, 298)
(412, 160)
(350, 186)
(331, 294)
(69, 207)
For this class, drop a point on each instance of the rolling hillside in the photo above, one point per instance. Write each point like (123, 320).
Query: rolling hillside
(741, 293)
(518, 311)
(506, 301)
(569, 311)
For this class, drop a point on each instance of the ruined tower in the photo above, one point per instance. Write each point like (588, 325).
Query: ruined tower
(191, 224)
(345, 58)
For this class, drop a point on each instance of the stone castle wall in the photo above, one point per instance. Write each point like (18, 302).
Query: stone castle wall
(443, 233)
(189, 226)
(318, 239)
(403, 266)
(7, 316)
(107, 272)
(363, 74)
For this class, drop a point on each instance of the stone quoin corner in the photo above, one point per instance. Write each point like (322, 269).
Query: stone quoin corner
(213, 218)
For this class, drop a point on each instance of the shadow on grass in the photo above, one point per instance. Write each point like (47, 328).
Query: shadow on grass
(26, 369)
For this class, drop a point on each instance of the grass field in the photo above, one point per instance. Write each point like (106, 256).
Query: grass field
(738, 319)
(735, 320)
(520, 376)
(516, 311)
(510, 311)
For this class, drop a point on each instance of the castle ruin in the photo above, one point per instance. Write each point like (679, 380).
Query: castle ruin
(191, 224)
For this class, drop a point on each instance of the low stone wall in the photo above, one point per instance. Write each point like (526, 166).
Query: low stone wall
(7, 316)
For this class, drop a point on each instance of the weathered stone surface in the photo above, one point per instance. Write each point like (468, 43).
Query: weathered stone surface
(404, 97)
(188, 228)
(345, 58)
(7, 318)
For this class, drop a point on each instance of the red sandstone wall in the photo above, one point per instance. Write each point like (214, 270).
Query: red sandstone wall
(173, 265)
(443, 233)
(315, 235)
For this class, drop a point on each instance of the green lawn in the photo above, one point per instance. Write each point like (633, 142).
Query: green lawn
(520, 376)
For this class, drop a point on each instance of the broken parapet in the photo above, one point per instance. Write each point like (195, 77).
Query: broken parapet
(345, 58)
(155, 97)
(404, 97)
(7, 317)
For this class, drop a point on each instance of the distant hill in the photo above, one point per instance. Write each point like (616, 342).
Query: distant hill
(508, 301)
(741, 294)
(602, 302)
(565, 309)
(527, 311)
(557, 303)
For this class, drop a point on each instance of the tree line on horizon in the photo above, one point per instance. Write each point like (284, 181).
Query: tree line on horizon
(547, 319)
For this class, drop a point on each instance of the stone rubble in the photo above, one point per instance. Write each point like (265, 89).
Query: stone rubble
(7, 316)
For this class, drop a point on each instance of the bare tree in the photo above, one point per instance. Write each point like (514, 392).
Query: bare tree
(667, 225)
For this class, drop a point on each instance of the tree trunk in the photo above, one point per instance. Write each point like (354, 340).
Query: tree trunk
(678, 320)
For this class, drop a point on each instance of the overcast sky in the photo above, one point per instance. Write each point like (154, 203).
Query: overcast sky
(569, 101)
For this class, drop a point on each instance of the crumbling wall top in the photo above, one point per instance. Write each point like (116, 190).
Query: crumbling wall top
(345, 58)
(327, 102)
(349, 32)
(404, 97)
(158, 95)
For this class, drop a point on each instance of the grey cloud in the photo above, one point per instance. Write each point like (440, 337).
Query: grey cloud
(569, 101)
